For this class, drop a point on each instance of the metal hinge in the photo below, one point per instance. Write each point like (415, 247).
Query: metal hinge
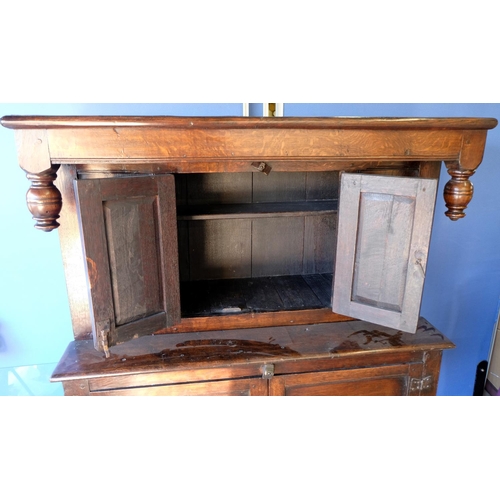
(268, 371)
(420, 384)
(103, 330)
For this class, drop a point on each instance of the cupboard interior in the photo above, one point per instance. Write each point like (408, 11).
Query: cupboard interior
(250, 242)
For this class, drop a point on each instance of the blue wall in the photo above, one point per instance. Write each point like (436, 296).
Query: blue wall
(463, 275)
(35, 324)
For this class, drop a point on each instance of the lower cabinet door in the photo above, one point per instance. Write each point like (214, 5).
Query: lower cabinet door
(237, 387)
(380, 381)
(405, 379)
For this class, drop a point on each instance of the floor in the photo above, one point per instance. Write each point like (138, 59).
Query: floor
(31, 380)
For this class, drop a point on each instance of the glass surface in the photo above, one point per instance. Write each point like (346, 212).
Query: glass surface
(33, 380)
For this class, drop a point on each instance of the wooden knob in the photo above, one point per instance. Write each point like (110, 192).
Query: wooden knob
(458, 192)
(44, 200)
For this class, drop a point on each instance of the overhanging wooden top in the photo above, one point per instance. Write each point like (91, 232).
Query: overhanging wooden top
(50, 122)
(172, 144)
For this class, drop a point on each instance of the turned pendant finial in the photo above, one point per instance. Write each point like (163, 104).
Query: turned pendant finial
(458, 192)
(44, 199)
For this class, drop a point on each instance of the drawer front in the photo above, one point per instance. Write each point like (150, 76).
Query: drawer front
(238, 387)
(380, 381)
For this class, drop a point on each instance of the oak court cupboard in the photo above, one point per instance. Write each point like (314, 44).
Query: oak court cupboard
(259, 256)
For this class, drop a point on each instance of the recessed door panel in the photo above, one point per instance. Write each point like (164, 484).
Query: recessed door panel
(129, 233)
(383, 238)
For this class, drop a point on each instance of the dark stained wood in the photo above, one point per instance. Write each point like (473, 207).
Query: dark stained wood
(237, 224)
(279, 187)
(166, 225)
(432, 364)
(195, 299)
(111, 168)
(458, 191)
(430, 169)
(183, 250)
(219, 188)
(374, 139)
(322, 185)
(257, 210)
(33, 150)
(134, 261)
(76, 388)
(321, 285)
(254, 320)
(310, 359)
(89, 201)
(239, 387)
(277, 246)
(261, 295)
(380, 381)
(409, 169)
(230, 298)
(296, 293)
(133, 273)
(377, 144)
(320, 243)
(220, 249)
(146, 139)
(181, 184)
(218, 371)
(416, 378)
(44, 199)
(35, 122)
(255, 295)
(73, 256)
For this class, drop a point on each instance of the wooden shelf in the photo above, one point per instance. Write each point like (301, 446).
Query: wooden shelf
(256, 210)
(249, 295)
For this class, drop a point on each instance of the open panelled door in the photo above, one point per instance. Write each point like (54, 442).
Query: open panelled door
(133, 273)
(382, 244)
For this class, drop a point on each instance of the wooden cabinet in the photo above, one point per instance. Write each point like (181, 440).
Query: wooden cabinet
(343, 358)
(175, 228)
